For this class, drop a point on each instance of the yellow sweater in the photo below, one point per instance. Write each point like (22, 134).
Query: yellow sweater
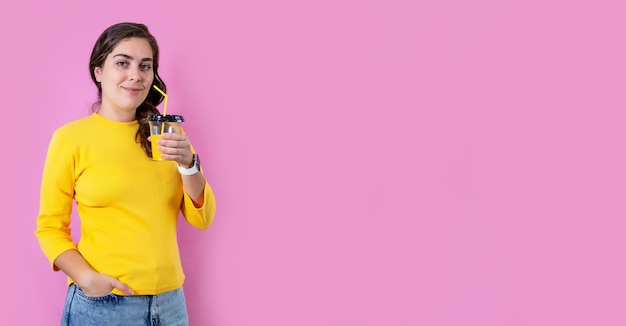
(128, 204)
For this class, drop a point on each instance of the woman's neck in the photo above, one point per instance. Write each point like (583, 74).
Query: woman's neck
(116, 115)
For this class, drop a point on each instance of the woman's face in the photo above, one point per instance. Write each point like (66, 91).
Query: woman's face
(126, 77)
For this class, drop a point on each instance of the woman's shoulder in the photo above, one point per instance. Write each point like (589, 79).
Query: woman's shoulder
(77, 126)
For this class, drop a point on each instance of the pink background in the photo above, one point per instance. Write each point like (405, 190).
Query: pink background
(375, 162)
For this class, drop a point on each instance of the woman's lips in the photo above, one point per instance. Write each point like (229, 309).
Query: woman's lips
(132, 90)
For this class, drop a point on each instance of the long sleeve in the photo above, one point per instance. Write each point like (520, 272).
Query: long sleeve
(200, 217)
(56, 195)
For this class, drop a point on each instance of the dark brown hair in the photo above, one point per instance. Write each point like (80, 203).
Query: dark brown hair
(104, 46)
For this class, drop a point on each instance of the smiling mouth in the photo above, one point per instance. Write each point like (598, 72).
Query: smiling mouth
(132, 89)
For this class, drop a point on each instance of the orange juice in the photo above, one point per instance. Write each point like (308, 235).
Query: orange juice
(160, 124)
(156, 154)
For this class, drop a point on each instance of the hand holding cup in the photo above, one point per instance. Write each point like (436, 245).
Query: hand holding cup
(176, 147)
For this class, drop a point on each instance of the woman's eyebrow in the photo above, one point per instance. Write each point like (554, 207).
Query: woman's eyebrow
(129, 57)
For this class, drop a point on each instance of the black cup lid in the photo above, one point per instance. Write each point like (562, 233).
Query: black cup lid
(166, 118)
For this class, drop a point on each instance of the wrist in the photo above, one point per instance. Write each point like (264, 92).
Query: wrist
(193, 168)
(190, 164)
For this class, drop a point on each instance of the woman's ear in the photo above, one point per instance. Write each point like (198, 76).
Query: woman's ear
(97, 71)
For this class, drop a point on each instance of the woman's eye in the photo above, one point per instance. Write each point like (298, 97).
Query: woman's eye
(122, 64)
(145, 67)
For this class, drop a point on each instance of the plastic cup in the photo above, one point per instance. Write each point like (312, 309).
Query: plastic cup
(160, 124)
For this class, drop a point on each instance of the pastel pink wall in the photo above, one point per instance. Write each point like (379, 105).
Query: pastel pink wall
(378, 162)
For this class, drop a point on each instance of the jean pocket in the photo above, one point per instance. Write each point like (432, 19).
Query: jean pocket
(86, 296)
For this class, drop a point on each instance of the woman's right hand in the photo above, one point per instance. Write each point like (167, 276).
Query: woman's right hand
(91, 282)
(98, 284)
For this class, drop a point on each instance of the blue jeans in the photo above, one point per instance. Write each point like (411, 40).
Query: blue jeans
(166, 309)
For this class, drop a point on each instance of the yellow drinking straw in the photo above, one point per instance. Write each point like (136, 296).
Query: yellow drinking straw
(164, 105)
(164, 95)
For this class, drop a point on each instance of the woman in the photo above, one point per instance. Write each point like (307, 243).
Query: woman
(126, 268)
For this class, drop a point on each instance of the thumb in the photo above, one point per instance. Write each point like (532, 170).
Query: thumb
(121, 286)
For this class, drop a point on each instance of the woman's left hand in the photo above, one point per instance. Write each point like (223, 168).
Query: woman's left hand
(176, 147)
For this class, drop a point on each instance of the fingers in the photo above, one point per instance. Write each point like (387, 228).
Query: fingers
(175, 142)
(176, 147)
(103, 284)
(183, 159)
(175, 151)
(121, 286)
(174, 136)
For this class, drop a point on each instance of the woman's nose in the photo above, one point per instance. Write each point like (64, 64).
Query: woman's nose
(134, 74)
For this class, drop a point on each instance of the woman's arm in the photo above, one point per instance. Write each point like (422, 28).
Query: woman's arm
(194, 187)
(53, 222)
(198, 193)
(176, 147)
